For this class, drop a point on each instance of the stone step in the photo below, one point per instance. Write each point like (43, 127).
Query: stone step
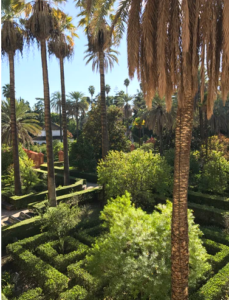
(24, 216)
(13, 220)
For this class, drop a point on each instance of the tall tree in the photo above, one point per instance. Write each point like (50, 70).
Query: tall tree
(62, 47)
(6, 90)
(12, 40)
(78, 104)
(41, 24)
(126, 83)
(91, 90)
(56, 99)
(107, 89)
(166, 40)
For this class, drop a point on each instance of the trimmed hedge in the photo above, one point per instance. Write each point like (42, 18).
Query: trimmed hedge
(84, 197)
(213, 289)
(23, 201)
(20, 230)
(76, 293)
(216, 236)
(211, 200)
(51, 280)
(33, 294)
(90, 177)
(60, 261)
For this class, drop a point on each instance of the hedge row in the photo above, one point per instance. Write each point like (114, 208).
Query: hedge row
(90, 177)
(76, 293)
(60, 261)
(84, 197)
(214, 288)
(33, 294)
(20, 230)
(50, 280)
(23, 201)
(220, 255)
(216, 236)
(211, 200)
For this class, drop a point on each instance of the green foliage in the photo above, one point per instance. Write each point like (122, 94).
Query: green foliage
(132, 261)
(81, 155)
(76, 293)
(92, 130)
(33, 294)
(57, 146)
(59, 220)
(7, 158)
(211, 200)
(147, 147)
(7, 284)
(215, 175)
(214, 288)
(139, 172)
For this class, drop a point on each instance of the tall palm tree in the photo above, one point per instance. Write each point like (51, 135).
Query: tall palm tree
(100, 53)
(26, 122)
(56, 99)
(107, 89)
(12, 41)
(40, 25)
(126, 83)
(78, 104)
(157, 118)
(91, 90)
(166, 40)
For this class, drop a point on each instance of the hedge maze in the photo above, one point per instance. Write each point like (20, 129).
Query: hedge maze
(61, 275)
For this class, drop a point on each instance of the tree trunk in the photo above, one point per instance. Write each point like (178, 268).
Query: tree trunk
(201, 124)
(60, 125)
(105, 141)
(48, 128)
(17, 177)
(65, 136)
(180, 241)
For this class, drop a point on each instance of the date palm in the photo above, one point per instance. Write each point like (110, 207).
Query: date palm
(26, 122)
(40, 25)
(166, 41)
(61, 46)
(91, 90)
(6, 90)
(78, 105)
(12, 41)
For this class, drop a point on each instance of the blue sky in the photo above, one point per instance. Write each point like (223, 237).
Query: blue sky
(78, 76)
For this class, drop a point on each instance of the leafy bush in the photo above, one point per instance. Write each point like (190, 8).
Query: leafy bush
(81, 155)
(57, 146)
(7, 284)
(139, 172)
(215, 175)
(29, 177)
(59, 220)
(132, 261)
(34, 294)
(147, 147)
(76, 293)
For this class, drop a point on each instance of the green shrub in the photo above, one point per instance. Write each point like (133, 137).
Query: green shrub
(34, 294)
(81, 155)
(216, 236)
(147, 147)
(215, 175)
(7, 284)
(76, 293)
(211, 200)
(60, 220)
(214, 288)
(139, 172)
(134, 257)
(7, 158)
(81, 276)
(57, 146)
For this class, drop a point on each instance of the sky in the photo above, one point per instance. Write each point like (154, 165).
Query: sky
(78, 76)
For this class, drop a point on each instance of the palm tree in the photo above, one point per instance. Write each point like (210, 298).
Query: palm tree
(40, 25)
(107, 89)
(56, 99)
(12, 40)
(166, 40)
(6, 90)
(157, 118)
(91, 90)
(126, 83)
(62, 47)
(78, 104)
(26, 122)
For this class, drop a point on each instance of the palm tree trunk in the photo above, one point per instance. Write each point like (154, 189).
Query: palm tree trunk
(48, 129)
(17, 177)
(180, 241)
(65, 137)
(105, 141)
